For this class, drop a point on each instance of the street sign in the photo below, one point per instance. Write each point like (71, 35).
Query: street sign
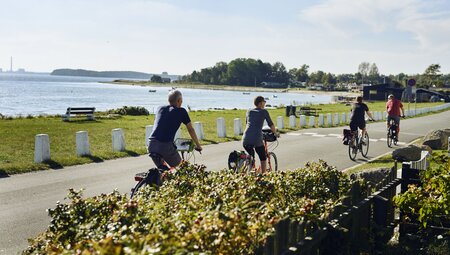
(411, 82)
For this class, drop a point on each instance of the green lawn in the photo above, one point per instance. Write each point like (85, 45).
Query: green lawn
(18, 136)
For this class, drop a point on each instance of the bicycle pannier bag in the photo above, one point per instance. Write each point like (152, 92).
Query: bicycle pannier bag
(347, 136)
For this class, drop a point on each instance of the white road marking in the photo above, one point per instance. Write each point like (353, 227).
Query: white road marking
(317, 135)
(294, 134)
(337, 135)
(373, 140)
(383, 139)
(310, 133)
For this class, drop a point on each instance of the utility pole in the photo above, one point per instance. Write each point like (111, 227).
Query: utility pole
(11, 67)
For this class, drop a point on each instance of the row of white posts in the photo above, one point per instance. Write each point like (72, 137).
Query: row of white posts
(42, 141)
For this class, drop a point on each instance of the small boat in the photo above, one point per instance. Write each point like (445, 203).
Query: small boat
(266, 98)
(275, 96)
(246, 93)
(152, 90)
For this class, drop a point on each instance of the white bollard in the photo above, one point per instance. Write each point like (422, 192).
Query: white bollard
(302, 121)
(82, 141)
(312, 121)
(148, 133)
(237, 126)
(329, 120)
(198, 127)
(221, 130)
(41, 148)
(321, 120)
(280, 122)
(343, 118)
(292, 121)
(118, 139)
(265, 124)
(349, 117)
(384, 115)
(336, 119)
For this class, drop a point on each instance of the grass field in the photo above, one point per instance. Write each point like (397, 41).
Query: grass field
(18, 136)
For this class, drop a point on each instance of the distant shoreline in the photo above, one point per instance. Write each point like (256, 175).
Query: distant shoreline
(232, 88)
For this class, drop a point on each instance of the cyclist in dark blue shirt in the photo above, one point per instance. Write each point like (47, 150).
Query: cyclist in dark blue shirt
(167, 121)
(357, 120)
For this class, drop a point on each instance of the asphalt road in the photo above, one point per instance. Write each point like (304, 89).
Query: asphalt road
(24, 198)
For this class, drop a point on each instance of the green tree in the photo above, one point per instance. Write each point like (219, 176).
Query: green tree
(374, 75)
(156, 78)
(430, 76)
(364, 69)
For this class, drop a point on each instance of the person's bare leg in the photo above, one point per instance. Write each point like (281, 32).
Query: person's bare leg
(263, 166)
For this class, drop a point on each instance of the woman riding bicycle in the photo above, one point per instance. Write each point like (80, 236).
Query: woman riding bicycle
(357, 119)
(252, 139)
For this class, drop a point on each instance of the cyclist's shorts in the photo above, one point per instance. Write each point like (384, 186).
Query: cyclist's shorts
(395, 118)
(260, 150)
(354, 125)
(168, 151)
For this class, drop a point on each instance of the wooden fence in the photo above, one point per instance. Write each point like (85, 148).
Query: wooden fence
(353, 226)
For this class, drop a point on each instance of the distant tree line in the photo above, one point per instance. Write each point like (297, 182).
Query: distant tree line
(252, 72)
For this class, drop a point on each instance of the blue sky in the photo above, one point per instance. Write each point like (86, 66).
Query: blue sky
(182, 36)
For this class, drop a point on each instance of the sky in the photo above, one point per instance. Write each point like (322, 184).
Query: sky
(178, 36)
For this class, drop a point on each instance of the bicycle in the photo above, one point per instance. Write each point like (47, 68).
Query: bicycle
(357, 143)
(246, 163)
(154, 176)
(392, 136)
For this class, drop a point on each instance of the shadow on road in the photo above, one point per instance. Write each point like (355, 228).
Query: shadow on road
(3, 174)
(132, 153)
(53, 164)
(94, 159)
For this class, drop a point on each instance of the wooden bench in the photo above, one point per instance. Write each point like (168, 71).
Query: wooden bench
(88, 111)
(309, 111)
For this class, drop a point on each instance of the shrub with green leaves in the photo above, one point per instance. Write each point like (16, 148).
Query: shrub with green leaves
(130, 110)
(194, 211)
(429, 204)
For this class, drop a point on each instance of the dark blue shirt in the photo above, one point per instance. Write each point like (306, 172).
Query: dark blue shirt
(358, 112)
(167, 121)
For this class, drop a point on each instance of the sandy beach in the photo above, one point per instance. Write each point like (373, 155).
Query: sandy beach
(235, 88)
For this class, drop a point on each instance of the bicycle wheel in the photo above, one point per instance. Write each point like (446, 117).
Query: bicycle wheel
(352, 148)
(389, 138)
(139, 185)
(272, 162)
(365, 145)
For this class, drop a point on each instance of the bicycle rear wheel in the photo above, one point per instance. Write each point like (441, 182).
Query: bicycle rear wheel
(272, 162)
(352, 148)
(136, 188)
(365, 145)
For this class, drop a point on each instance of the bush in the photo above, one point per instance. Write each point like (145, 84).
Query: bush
(130, 110)
(194, 211)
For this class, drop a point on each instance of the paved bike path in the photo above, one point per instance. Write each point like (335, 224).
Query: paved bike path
(24, 198)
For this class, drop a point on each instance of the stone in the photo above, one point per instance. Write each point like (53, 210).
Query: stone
(406, 154)
(437, 139)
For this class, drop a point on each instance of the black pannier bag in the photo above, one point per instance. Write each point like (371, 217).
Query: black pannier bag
(234, 158)
(347, 136)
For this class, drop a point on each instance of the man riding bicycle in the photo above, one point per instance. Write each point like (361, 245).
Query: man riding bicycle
(393, 107)
(357, 120)
(252, 139)
(167, 121)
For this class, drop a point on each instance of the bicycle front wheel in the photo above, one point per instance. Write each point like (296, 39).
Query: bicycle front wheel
(365, 145)
(389, 138)
(352, 149)
(272, 162)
